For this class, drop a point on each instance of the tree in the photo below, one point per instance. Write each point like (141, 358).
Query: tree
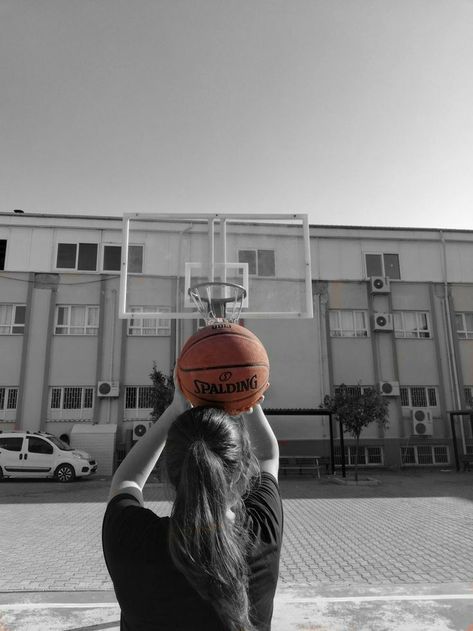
(163, 391)
(357, 408)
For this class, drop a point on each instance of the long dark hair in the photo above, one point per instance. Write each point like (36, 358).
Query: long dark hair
(210, 464)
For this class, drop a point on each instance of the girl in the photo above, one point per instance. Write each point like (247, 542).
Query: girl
(213, 564)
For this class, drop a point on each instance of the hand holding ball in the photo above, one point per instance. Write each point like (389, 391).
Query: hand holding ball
(224, 365)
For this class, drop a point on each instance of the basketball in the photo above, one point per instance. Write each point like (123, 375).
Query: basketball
(223, 365)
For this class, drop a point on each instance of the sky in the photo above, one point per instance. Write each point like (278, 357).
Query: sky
(357, 112)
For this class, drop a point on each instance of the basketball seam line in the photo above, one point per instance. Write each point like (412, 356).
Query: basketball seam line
(181, 369)
(220, 332)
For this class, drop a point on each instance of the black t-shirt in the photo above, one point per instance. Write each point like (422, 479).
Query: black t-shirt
(154, 596)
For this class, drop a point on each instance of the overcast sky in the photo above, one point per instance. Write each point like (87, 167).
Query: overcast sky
(355, 111)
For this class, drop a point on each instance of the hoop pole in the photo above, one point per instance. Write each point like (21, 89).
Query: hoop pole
(309, 305)
(211, 261)
(223, 237)
(124, 268)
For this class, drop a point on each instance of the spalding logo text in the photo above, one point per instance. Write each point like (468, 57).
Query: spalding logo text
(204, 387)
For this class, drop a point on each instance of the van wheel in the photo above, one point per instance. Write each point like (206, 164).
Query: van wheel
(1, 473)
(65, 473)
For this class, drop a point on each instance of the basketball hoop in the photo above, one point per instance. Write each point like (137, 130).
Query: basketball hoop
(218, 301)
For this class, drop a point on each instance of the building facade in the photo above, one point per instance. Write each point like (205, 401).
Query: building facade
(393, 307)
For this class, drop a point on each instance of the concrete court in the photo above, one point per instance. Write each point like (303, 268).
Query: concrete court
(394, 557)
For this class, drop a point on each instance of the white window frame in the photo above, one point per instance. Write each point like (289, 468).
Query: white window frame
(426, 394)
(144, 327)
(119, 245)
(12, 324)
(60, 412)
(353, 387)
(256, 250)
(350, 453)
(7, 393)
(87, 329)
(418, 333)
(413, 449)
(75, 268)
(355, 331)
(382, 255)
(463, 333)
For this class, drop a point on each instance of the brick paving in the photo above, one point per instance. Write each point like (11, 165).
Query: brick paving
(410, 529)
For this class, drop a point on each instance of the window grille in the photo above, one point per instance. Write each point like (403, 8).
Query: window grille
(75, 398)
(425, 454)
(8, 398)
(139, 397)
(372, 455)
(352, 390)
(418, 396)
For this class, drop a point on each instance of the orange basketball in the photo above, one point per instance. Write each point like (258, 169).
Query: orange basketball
(223, 365)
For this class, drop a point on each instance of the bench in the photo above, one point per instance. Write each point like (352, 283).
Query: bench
(303, 463)
(467, 460)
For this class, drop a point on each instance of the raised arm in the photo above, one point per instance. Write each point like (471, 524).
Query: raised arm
(263, 440)
(131, 475)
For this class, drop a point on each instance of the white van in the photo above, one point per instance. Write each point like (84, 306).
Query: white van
(42, 455)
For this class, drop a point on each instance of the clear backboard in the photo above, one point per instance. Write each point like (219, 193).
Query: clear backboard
(166, 255)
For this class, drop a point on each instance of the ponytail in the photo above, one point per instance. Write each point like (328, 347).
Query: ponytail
(209, 463)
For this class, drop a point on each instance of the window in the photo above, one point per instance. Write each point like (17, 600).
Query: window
(383, 265)
(468, 396)
(3, 252)
(412, 324)
(71, 398)
(77, 320)
(139, 397)
(38, 446)
(418, 396)
(149, 326)
(8, 398)
(425, 454)
(77, 256)
(345, 323)
(464, 325)
(352, 390)
(366, 455)
(11, 443)
(260, 262)
(112, 258)
(12, 319)
(8, 402)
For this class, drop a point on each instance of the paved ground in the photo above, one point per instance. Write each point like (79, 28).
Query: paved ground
(352, 557)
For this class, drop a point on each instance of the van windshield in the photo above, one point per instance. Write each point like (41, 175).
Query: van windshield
(60, 444)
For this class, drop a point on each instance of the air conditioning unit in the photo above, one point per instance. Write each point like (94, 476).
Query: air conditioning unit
(108, 389)
(379, 285)
(140, 428)
(382, 322)
(422, 423)
(389, 388)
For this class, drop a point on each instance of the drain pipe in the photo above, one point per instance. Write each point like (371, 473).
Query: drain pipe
(450, 341)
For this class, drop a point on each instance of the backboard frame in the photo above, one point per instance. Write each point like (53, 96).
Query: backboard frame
(210, 218)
